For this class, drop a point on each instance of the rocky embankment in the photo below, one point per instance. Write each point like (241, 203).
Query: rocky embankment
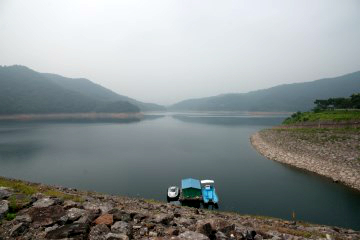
(34, 211)
(334, 153)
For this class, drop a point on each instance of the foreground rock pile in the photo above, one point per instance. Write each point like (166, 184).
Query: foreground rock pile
(333, 153)
(101, 217)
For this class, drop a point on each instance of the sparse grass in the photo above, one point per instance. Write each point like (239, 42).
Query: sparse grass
(344, 130)
(29, 189)
(13, 207)
(61, 195)
(152, 201)
(336, 116)
(10, 216)
(295, 232)
(19, 186)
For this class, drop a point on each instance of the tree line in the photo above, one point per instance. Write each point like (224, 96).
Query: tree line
(352, 102)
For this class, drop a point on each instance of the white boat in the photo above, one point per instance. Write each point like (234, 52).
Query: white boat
(173, 193)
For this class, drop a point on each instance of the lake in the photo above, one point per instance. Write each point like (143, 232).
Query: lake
(144, 158)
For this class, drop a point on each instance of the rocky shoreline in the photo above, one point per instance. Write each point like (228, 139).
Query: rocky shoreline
(37, 211)
(333, 153)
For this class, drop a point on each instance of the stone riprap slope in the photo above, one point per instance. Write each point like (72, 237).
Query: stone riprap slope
(330, 152)
(60, 213)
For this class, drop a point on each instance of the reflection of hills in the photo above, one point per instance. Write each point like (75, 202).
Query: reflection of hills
(152, 117)
(22, 150)
(230, 121)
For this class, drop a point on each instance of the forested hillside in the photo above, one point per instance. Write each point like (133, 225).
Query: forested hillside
(23, 90)
(287, 97)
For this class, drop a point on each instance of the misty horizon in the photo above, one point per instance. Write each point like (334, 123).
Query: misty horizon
(168, 51)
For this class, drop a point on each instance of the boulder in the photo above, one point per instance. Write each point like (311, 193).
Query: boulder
(5, 193)
(99, 232)
(153, 234)
(106, 219)
(103, 207)
(122, 227)
(74, 214)
(163, 218)
(23, 218)
(220, 236)
(120, 215)
(185, 221)
(172, 231)
(106, 207)
(206, 229)
(44, 202)
(74, 230)
(116, 236)
(19, 229)
(46, 216)
(214, 225)
(88, 217)
(91, 206)
(138, 217)
(193, 236)
(71, 204)
(4, 208)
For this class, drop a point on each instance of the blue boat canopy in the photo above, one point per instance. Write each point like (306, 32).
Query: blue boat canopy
(190, 183)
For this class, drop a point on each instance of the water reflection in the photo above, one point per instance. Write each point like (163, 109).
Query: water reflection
(230, 121)
(23, 151)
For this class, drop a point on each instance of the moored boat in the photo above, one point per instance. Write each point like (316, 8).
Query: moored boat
(209, 194)
(173, 194)
(190, 192)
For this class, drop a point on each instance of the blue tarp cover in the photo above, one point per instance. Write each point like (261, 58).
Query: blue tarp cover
(190, 183)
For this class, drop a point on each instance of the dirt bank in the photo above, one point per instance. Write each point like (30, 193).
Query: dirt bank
(334, 153)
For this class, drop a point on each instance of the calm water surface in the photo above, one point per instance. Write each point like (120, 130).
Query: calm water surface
(144, 158)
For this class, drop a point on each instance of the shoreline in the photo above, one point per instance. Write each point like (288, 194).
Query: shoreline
(72, 116)
(38, 211)
(323, 159)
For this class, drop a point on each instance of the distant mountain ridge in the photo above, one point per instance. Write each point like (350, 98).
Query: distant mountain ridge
(98, 92)
(24, 91)
(286, 97)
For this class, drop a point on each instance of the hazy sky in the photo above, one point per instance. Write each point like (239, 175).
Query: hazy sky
(164, 51)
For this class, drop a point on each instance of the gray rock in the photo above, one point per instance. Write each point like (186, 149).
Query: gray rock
(106, 207)
(120, 215)
(206, 229)
(91, 206)
(103, 207)
(19, 229)
(88, 217)
(193, 235)
(121, 227)
(23, 218)
(71, 204)
(99, 232)
(116, 236)
(163, 218)
(77, 230)
(220, 236)
(143, 231)
(48, 229)
(43, 202)
(152, 234)
(4, 208)
(46, 216)
(5, 193)
(138, 217)
(74, 214)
